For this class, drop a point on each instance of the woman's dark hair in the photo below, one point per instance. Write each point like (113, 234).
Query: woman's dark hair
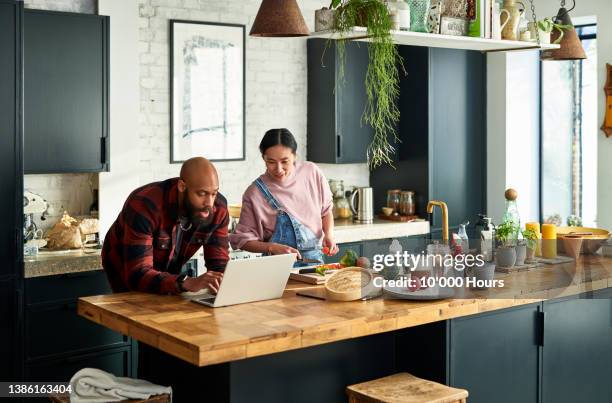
(274, 137)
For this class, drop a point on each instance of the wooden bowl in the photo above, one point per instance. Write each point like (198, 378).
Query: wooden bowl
(592, 238)
(349, 284)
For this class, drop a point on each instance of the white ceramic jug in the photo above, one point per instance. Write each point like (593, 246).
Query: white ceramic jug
(496, 25)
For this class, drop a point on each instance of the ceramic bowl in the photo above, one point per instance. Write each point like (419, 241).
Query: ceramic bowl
(387, 211)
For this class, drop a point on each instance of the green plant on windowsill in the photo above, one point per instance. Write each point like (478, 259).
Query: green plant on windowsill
(530, 237)
(382, 77)
(547, 25)
(504, 233)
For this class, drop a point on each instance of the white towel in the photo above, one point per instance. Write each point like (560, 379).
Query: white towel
(91, 385)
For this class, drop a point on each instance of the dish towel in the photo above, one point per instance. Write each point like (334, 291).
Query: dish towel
(91, 385)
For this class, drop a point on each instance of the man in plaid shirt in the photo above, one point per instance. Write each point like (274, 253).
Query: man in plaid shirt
(161, 226)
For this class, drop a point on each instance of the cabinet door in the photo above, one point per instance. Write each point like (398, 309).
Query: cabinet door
(66, 92)
(335, 105)
(10, 135)
(457, 134)
(577, 351)
(495, 355)
(8, 313)
(353, 135)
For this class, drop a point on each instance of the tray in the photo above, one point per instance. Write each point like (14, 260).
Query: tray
(398, 218)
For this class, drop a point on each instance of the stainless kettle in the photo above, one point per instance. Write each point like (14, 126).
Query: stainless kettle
(363, 212)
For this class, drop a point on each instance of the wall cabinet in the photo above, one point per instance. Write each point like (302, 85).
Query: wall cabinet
(335, 133)
(65, 92)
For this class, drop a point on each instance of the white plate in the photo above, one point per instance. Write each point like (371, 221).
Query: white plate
(425, 294)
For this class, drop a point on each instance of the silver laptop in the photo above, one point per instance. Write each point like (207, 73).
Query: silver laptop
(249, 280)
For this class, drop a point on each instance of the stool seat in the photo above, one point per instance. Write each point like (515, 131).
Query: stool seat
(404, 388)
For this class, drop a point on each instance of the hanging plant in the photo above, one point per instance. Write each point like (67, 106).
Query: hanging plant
(382, 77)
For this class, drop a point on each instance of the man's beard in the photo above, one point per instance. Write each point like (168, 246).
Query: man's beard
(193, 213)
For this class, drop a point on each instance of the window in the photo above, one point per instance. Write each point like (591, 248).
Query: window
(569, 135)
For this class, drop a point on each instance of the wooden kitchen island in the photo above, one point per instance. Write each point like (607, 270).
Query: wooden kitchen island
(303, 349)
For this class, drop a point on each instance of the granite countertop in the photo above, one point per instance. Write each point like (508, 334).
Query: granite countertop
(346, 230)
(49, 263)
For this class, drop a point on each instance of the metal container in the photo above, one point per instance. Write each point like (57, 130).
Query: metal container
(363, 211)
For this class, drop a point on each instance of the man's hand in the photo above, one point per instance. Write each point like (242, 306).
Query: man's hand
(329, 246)
(210, 280)
(280, 249)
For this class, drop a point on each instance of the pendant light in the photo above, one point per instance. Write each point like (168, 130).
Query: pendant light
(571, 47)
(279, 18)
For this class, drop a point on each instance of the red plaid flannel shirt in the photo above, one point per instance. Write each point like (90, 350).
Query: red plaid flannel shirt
(140, 247)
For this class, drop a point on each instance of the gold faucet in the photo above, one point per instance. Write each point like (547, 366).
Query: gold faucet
(444, 208)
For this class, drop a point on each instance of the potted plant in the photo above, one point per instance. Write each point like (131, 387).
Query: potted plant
(531, 239)
(382, 77)
(546, 27)
(505, 255)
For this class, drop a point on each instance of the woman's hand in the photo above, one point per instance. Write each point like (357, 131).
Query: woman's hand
(280, 249)
(329, 246)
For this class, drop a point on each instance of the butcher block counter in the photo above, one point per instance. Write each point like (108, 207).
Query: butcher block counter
(204, 336)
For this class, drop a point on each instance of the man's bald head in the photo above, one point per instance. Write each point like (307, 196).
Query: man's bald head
(199, 171)
(198, 187)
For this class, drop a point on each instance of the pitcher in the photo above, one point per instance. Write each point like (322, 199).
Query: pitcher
(511, 22)
(497, 26)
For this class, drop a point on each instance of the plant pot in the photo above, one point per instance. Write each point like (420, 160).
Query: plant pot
(505, 256)
(521, 254)
(324, 19)
(486, 273)
(530, 258)
(544, 37)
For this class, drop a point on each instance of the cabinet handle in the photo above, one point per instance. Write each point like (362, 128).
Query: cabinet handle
(338, 146)
(103, 150)
(541, 323)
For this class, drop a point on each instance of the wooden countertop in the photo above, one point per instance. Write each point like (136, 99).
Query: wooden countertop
(204, 336)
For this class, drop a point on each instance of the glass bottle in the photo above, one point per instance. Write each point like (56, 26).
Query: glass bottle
(512, 213)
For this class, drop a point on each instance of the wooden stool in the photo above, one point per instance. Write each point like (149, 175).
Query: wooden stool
(404, 388)
(165, 398)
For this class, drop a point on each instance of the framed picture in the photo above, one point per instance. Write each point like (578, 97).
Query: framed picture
(207, 108)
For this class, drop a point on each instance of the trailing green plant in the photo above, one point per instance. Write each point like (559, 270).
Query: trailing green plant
(382, 77)
(504, 233)
(530, 236)
(548, 24)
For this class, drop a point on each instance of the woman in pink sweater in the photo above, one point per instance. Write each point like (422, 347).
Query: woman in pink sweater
(288, 209)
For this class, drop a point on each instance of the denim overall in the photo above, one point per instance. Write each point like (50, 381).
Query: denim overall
(289, 231)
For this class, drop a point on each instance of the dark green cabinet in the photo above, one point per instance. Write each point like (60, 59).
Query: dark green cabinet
(442, 128)
(495, 355)
(58, 340)
(577, 351)
(65, 92)
(11, 183)
(335, 133)
(8, 328)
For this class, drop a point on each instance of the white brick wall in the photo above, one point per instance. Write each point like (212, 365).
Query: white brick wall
(275, 89)
(275, 93)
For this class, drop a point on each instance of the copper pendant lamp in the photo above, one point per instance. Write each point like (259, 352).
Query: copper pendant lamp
(279, 18)
(571, 47)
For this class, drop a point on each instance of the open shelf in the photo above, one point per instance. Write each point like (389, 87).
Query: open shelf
(440, 41)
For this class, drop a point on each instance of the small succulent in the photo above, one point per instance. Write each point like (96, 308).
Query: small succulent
(547, 25)
(574, 221)
(530, 237)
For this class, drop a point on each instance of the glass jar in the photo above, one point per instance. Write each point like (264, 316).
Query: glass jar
(407, 203)
(342, 209)
(393, 199)
(337, 187)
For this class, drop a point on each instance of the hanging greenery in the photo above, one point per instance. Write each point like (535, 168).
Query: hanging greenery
(382, 77)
